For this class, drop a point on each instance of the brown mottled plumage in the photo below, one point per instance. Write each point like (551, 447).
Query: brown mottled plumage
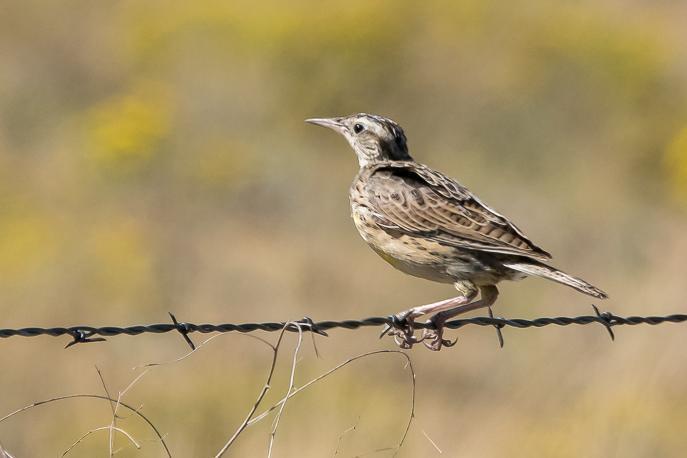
(429, 225)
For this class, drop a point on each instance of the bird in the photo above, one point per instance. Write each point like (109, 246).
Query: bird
(428, 225)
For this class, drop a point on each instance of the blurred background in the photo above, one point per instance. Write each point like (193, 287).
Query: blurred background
(154, 158)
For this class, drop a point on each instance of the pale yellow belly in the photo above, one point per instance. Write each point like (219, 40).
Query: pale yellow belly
(412, 255)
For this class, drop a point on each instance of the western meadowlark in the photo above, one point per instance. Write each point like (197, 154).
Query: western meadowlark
(426, 224)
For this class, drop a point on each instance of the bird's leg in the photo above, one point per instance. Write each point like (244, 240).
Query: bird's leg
(404, 332)
(434, 337)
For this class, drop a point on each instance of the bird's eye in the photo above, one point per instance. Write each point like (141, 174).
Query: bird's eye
(358, 128)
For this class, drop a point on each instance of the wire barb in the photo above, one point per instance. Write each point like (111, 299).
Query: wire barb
(183, 329)
(83, 336)
(309, 325)
(498, 327)
(606, 320)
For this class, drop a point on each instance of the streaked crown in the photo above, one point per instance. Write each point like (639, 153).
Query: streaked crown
(373, 138)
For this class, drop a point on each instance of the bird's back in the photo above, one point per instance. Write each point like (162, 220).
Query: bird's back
(413, 199)
(430, 226)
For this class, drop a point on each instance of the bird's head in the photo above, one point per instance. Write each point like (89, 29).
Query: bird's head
(373, 138)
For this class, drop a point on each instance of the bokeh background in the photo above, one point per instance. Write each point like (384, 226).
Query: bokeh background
(153, 158)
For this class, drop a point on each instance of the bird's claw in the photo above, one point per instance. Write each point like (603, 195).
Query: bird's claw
(402, 329)
(433, 337)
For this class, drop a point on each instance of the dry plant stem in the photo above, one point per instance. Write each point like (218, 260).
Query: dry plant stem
(107, 393)
(133, 441)
(113, 424)
(93, 396)
(314, 344)
(436, 447)
(336, 368)
(338, 442)
(198, 347)
(116, 407)
(4, 453)
(288, 391)
(263, 392)
(379, 450)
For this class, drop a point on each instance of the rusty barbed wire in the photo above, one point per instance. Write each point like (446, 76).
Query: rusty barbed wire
(86, 334)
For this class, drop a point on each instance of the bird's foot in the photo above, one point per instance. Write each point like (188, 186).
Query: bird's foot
(402, 329)
(434, 338)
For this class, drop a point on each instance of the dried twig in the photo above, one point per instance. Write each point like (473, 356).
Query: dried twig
(263, 392)
(113, 424)
(346, 431)
(336, 368)
(249, 420)
(288, 391)
(102, 428)
(4, 453)
(198, 347)
(120, 395)
(107, 393)
(377, 450)
(93, 396)
(436, 447)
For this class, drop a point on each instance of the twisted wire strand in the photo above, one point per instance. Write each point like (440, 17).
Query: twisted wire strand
(84, 334)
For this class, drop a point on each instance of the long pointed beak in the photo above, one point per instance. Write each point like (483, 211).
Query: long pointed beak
(331, 123)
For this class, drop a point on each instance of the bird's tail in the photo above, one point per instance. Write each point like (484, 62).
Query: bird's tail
(542, 270)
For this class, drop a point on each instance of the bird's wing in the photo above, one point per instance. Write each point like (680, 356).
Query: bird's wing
(414, 199)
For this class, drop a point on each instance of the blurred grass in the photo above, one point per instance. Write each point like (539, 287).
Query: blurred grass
(153, 157)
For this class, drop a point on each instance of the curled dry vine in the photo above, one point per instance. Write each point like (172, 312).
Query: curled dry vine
(251, 418)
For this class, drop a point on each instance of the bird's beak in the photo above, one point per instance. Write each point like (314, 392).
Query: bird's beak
(331, 123)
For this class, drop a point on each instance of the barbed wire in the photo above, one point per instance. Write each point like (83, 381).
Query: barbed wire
(86, 334)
